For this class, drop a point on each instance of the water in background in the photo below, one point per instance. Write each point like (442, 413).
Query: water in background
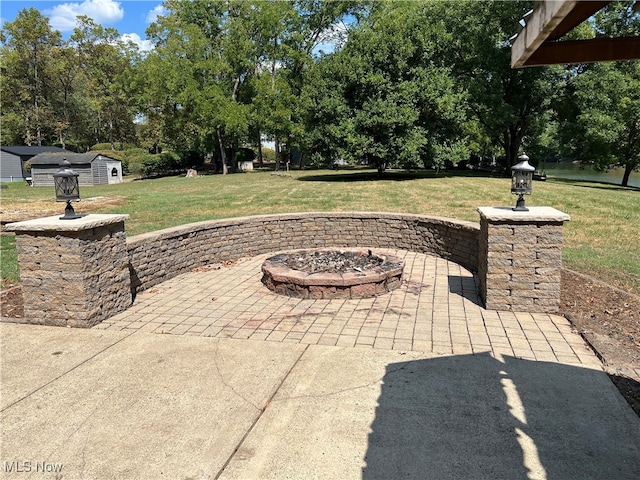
(580, 172)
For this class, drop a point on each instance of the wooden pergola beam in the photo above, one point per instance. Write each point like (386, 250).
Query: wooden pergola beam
(545, 19)
(550, 21)
(585, 51)
(580, 12)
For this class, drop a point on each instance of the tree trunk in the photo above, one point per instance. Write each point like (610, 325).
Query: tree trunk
(39, 134)
(277, 145)
(512, 141)
(628, 168)
(97, 130)
(233, 164)
(235, 89)
(260, 159)
(36, 106)
(111, 139)
(223, 155)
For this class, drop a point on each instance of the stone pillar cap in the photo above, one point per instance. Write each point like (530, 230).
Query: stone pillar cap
(535, 214)
(54, 224)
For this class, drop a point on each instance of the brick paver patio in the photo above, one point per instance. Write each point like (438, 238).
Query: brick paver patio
(435, 310)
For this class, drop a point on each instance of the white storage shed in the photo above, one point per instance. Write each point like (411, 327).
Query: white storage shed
(93, 168)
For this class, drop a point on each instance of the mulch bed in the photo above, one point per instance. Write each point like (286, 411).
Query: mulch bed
(609, 320)
(11, 302)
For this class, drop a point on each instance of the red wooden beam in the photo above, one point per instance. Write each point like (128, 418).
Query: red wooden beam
(585, 51)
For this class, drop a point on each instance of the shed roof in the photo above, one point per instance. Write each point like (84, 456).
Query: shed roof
(73, 158)
(23, 150)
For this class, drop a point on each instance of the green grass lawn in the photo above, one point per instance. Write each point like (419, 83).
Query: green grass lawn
(602, 239)
(9, 259)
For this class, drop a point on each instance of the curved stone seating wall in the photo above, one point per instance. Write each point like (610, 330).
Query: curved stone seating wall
(77, 273)
(158, 256)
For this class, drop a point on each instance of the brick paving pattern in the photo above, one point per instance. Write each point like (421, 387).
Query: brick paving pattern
(435, 310)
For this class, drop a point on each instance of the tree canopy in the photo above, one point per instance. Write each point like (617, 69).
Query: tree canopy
(385, 98)
(600, 112)
(409, 84)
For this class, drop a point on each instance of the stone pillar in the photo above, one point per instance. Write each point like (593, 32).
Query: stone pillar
(520, 258)
(73, 272)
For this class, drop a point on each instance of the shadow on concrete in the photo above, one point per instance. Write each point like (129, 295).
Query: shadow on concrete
(466, 287)
(473, 416)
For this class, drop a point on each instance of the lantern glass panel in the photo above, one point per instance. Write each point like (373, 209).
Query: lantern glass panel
(521, 182)
(66, 183)
(67, 188)
(522, 177)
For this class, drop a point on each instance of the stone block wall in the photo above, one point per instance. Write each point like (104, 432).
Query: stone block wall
(73, 272)
(520, 259)
(158, 256)
(80, 272)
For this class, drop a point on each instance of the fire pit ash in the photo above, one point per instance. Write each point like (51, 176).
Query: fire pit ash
(332, 273)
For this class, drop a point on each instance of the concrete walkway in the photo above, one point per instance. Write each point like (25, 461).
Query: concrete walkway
(422, 383)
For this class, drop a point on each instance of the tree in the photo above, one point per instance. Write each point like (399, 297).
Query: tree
(107, 62)
(204, 58)
(606, 125)
(28, 43)
(422, 76)
(173, 82)
(238, 68)
(600, 113)
(508, 103)
(56, 91)
(383, 99)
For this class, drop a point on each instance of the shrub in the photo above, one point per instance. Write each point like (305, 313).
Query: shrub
(119, 146)
(134, 152)
(133, 160)
(139, 162)
(245, 155)
(168, 163)
(268, 155)
(191, 158)
(70, 145)
(101, 146)
(317, 160)
(115, 154)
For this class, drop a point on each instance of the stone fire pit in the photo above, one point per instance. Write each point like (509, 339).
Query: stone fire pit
(332, 273)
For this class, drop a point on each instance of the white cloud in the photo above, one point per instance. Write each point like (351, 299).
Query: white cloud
(153, 15)
(63, 16)
(143, 45)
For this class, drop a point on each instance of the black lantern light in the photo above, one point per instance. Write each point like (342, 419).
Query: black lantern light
(67, 188)
(521, 181)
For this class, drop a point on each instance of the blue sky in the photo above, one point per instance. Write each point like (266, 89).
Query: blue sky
(129, 17)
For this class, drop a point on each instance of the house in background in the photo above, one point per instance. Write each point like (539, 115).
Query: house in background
(92, 168)
(13, 159)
